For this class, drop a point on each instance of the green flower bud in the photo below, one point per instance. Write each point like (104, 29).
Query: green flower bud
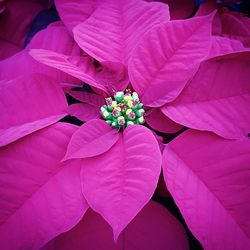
(140, 120)
(124, 109)
(109, 122)
(119, 96)
(130, 123)
(114, 124)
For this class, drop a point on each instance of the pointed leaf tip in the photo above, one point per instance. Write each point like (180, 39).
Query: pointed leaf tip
(111, 32)
(93, 138)
(153, 226)
(225, 111)
(159, 70)
(118, 183)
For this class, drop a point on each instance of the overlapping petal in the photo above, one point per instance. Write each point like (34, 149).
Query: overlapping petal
(46, 39)
(167, 57)
(109, 77)
(223, 45)
(90, 98)
(160, 231)
(39, 197)
(158, 121)
(118, 183)
(28, 104)
(73, 12)
(235, 28)
(83, 111)
(209, 179)
(115, 27)
(92, 138)
(217, 99)
(80, 67)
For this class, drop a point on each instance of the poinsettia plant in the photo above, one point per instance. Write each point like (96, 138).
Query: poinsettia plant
(136, 76)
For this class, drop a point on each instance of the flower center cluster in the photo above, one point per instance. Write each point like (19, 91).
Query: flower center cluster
(123, 109)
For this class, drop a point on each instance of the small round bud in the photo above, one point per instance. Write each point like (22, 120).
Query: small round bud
(116, 112)
(119, 96)
(140, 105)
(130, 104)
(114, 104)
(109, 122)
(130, 123)
(106, 115)
(114, 124)
(121, 121)
(131, 116)
(109, 101)
(135, 96)
(140, 112)
(129, 111)
(123, 106)
(128, 98)
(103, 109)
(110, 108)
(140, 120)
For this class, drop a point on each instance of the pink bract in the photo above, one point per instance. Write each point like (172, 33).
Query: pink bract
(209, 179)
(225, 107)
(83, 111)
(46, 39)
(74, 12)
(160, 231)
(120, 182)
(93, 138)
(39, 198)
(115, 27)
(160, 74)
(15, 22)
(40, 95)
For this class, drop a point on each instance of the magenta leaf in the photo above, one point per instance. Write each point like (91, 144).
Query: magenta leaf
(118, 183)
(13, 133)
(158, 121)
(46, 39)
(7, 49)
(224, 109)
(111, 76)
(223, 45)
(90, 98)
(75, 12)
(28, 104)
(153, 228)
(15, 23)
(80, 67)
(115, 27)
(92, 138)
(84, 112)
(40, 198)
(167, 57)
(209, 179)
(235, 28)
(114, 76)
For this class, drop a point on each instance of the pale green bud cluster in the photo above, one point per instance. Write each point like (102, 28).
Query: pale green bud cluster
(123, 109)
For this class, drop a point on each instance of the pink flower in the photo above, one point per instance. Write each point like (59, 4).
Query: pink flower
(173, 69)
